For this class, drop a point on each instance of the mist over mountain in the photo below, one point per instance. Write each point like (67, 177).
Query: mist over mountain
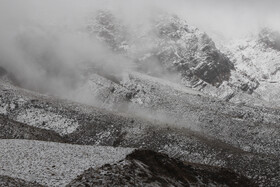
(55, 32)
(139, 93)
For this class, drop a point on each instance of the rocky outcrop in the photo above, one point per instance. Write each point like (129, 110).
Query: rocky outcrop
(148, 168)
(190, 51)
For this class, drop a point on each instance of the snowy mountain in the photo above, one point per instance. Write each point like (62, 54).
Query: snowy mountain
(171, 49)
(208, 112)
(170, 42)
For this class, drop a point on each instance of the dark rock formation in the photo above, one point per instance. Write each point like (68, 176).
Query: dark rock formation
(148, 168)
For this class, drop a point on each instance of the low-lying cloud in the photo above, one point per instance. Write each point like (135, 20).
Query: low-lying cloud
(44, 43)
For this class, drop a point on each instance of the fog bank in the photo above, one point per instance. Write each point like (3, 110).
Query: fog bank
(44, 43)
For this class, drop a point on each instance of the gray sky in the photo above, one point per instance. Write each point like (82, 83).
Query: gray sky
(230, 17)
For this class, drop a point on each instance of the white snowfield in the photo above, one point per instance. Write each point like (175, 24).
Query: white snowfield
(53, 164)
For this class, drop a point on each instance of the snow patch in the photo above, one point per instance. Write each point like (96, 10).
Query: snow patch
(47, 120)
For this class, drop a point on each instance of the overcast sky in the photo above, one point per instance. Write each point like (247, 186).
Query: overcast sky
(230, 17)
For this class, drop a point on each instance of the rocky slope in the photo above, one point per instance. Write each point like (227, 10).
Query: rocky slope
(259, 57)
(53, 164)
(148, 168)
(227, 138)
(164, 104)
(155, 100)
(10, 129)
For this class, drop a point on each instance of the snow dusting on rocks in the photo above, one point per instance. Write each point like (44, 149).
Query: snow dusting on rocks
(53, 164)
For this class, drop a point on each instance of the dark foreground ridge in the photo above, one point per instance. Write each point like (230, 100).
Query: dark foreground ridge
(149, 168)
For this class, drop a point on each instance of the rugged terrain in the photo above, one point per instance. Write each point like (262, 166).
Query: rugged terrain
(202, 109)
(172, 49)
(193, 140)
(148, 168)
(258, 57)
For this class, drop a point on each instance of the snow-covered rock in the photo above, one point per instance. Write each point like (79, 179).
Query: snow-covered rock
(169, 48)
(259, 58)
